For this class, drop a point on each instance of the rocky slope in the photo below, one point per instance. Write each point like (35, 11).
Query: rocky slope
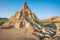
(54, 22)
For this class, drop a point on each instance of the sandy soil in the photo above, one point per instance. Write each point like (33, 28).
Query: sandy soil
(16, 34)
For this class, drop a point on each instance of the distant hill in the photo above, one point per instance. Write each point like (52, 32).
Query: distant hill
(51, 19)
(3, 19)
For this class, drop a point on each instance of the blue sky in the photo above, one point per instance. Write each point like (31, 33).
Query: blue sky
(42, 8)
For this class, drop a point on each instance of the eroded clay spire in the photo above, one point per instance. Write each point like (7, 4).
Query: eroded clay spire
(25, 5)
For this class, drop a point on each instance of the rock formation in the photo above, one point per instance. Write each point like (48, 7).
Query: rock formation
(22, 18)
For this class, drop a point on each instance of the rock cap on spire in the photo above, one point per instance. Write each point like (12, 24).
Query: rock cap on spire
(25, 5)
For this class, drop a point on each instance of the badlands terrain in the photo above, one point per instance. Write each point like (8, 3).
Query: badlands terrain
(24, 25)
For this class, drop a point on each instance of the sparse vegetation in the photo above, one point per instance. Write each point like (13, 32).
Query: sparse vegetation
(3, 20)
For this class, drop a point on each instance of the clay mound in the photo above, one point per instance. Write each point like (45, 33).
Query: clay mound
(23, 18)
